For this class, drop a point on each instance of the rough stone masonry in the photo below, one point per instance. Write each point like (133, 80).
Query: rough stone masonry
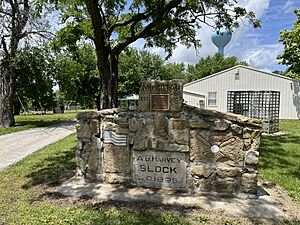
(165, 144)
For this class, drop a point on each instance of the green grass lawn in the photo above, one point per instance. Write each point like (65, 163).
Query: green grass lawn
(280, 158)
(24, 122)
(22, 202)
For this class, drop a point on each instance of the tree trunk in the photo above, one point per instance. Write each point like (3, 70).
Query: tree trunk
(108, 68)
(7, 91)
(107, 62)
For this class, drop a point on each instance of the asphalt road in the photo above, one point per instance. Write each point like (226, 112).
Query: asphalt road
(16, 146)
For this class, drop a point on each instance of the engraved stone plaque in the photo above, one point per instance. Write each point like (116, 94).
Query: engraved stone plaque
(158, 95)
(160, 169)
(159, 102)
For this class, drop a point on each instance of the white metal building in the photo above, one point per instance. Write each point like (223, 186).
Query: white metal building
(211, 92)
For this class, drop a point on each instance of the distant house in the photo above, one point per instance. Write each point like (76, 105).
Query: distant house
(215, 91)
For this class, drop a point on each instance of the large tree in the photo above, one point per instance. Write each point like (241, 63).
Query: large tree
(34, 85)
(212, 64)
(17, 22)
(77, 75)
(136, 66)
(291, 43)
(117, 24)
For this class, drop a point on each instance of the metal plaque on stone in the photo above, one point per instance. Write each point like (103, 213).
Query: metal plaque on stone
(159, 102)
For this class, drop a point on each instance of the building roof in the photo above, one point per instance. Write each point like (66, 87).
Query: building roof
(236, 67)
(130, 98)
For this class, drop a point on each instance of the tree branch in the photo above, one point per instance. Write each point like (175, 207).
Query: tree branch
(147, 31)
(39, 32)
(3, 43)
(136, 18)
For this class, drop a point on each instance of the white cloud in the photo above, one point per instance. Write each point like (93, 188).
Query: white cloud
(289, 6)
(243, 44)
(264, 56)
(257, 6)
(189, 56)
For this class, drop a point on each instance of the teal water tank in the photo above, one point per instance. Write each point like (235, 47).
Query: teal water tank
(221, 38)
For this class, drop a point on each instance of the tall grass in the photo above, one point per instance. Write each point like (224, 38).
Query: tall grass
(280, 158)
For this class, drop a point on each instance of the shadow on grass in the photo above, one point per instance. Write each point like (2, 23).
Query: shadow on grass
(40, 123)
(274, 154)
(53, 170)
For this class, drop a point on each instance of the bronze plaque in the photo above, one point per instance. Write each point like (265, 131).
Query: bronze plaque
(159, 102)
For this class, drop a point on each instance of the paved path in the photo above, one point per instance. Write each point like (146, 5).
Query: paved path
(262, 207)
(16, 146)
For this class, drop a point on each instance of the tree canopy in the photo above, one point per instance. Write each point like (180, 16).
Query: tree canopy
(19, 20)
(36, 71)
(77, 75)
(212, 64)
(114, 25)
(136, 66)
(291, 44)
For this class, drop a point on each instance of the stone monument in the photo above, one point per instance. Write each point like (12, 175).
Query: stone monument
(165, 144)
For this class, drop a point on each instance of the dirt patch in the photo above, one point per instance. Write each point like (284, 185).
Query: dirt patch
(282, 200)
(195, 214)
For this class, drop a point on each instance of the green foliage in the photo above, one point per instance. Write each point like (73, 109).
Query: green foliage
(204, 219)
(230, 222)
(114, 25)
(136, 66)
(77, 75)
(279, 158)
(35, 78)
(291, 42)
(210, 65)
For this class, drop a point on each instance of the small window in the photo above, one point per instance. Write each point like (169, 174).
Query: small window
(212, 99)
(201, 104)
(237, 75)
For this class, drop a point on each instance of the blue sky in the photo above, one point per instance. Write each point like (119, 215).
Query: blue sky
(259, 47)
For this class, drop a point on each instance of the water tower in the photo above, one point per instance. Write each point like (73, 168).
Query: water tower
(221, 38)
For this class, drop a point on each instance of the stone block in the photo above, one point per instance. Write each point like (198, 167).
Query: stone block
(93, 162)
(160, 169)
(247, 143)
(181, 137)
(228, 171)
(225, 185)
(152, 143)
(114, 127)
(220, 124)
(249, 183)
(199, 147)
(203, 185)
(133, 124)
(87, 115)
(116, 178)
(94, 126)
(160, 126)
(251, 157)
(178, 148)
(198, 124)
(83, 130)
(250, 133)
(178, 124)
(116, 159)
(161, 145)
(203, 170)
(255, 144)
(231, 148)
(236, 128)
(233, 151)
